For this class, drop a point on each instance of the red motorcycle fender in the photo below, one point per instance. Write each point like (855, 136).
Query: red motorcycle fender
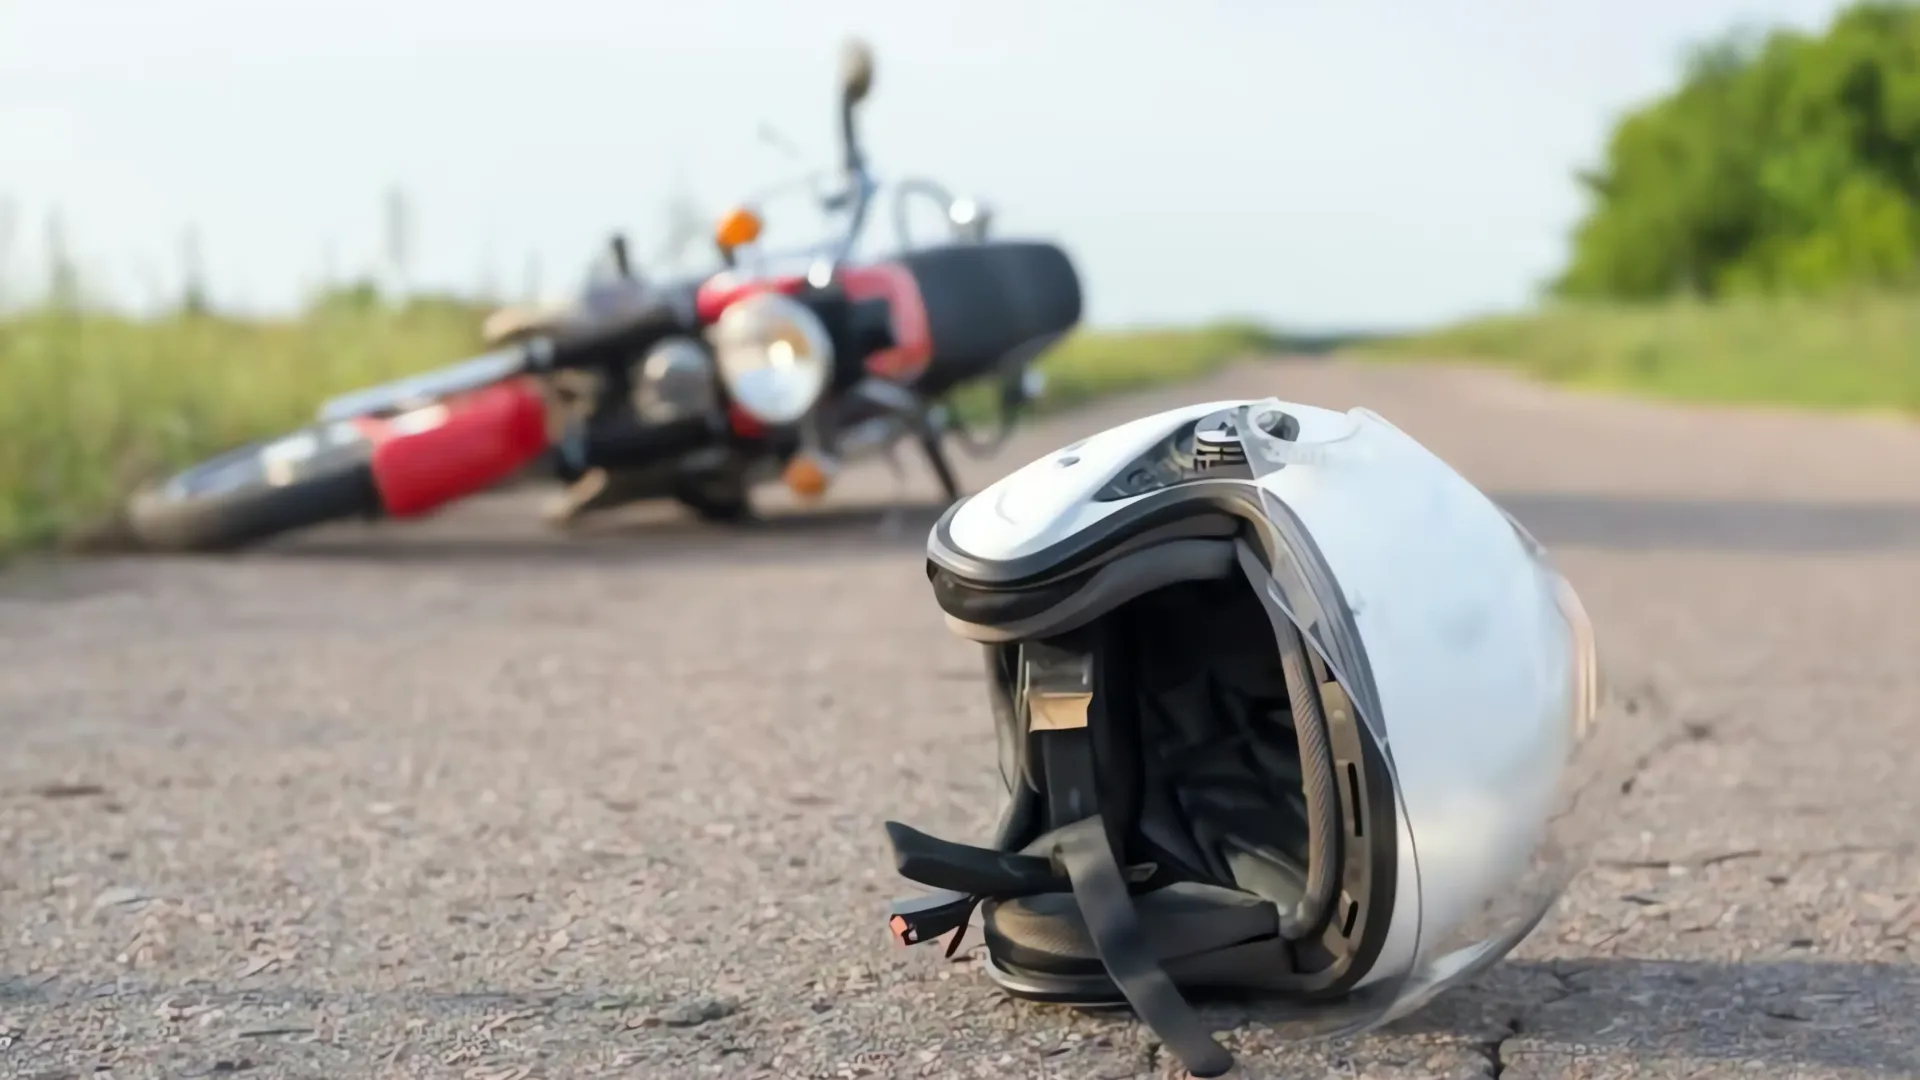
(719, 292)
(428, 457)
(913, 340)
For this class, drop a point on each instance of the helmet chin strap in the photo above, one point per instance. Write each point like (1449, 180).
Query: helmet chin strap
(1067, 695)
(1055, 691)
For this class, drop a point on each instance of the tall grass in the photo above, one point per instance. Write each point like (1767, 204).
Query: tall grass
(1852, 352)
(91, 404)
(1092, 363)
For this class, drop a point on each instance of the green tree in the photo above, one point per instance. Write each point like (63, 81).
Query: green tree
(1783, 163)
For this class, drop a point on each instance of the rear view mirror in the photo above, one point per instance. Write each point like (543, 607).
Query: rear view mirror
(969, 221)
(856, 71)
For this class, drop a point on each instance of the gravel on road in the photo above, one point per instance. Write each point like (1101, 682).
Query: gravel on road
(469, 799)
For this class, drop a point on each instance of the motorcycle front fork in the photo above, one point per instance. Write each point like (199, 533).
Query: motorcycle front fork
(902, 406)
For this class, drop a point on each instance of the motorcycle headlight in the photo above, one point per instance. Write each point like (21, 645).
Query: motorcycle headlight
(774, 356)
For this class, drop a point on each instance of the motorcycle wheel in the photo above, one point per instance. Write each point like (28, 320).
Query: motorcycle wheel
(308, 477)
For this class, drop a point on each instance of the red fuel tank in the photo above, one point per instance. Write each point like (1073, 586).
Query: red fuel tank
(428, 457)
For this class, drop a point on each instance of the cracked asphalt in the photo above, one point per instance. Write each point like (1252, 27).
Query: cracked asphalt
(467, 799)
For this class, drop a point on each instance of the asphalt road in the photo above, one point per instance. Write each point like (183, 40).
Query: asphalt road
(470, 800)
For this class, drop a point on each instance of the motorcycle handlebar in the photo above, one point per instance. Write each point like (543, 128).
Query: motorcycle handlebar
(852, 161)
(856, 81)
(975, 226)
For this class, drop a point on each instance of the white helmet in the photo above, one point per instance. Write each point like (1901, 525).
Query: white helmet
(1353, 784)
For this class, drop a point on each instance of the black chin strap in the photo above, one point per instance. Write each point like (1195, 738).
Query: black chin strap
(1084, 858)
(1101, 891)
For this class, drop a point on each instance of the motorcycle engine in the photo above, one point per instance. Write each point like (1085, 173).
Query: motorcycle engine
(675, 381)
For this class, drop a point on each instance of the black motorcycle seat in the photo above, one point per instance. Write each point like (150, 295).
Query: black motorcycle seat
(985, 301)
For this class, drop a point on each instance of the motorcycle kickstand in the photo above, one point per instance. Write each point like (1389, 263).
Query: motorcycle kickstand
(891, 518)
(903, 403)
(920, 417)
(937, 457)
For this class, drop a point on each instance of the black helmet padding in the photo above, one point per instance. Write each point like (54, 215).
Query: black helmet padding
(1164, 842)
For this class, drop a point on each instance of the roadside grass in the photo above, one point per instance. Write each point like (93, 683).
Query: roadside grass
(91, 404)
(1858, 352)
(1094, 363)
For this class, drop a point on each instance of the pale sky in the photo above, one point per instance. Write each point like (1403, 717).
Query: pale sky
(1312, 163)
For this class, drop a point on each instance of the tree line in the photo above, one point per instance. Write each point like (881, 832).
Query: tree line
(1785, 162)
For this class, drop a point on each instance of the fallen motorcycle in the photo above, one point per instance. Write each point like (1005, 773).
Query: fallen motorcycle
(697, 390)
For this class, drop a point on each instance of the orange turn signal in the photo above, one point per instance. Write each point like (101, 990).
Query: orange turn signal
(806, 477)
(740, 227)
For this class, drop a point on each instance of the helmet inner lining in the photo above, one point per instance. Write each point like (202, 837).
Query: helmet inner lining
(1201, 775)
(1222, 778)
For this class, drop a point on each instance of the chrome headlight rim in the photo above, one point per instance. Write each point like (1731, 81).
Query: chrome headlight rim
(674, 380)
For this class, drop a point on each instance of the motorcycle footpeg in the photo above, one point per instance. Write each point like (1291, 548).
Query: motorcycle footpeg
(578, 497)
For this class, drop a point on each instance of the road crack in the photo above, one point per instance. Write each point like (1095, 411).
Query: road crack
(1564, 988)
(1495, 1048)
(1647, 697)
